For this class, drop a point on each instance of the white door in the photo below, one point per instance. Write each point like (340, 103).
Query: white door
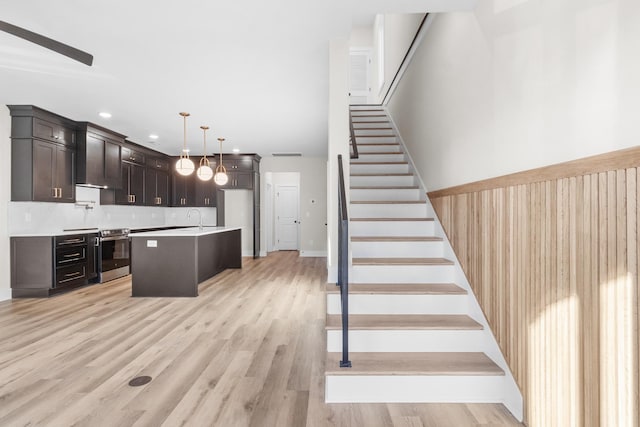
(287, 207)
(359, 65)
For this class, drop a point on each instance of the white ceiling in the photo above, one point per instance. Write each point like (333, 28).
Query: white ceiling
(255, 71)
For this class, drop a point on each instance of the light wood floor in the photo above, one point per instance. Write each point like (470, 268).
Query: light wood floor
(249, 351)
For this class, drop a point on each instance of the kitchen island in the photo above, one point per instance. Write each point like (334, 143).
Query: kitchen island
(171, 263)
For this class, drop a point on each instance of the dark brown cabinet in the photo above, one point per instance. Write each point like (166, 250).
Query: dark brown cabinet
(132, 192)
(43, 266)
(42, 156)
(205, 193)
(99, 156)
(157, 184)
(184, 190)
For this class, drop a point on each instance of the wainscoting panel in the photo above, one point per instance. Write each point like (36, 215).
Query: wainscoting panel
(554, 265)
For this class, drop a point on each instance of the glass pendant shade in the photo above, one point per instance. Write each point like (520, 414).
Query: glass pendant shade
(184, 166)
(221, 178)
(205, 173)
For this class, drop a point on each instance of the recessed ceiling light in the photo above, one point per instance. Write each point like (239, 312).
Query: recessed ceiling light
(153, 136)
(105, 115)
(236, 150)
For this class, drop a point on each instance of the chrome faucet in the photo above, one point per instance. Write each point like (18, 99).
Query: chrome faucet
(199, 216)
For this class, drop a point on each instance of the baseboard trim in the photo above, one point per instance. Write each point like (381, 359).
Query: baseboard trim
(313, 254)
(5, 294)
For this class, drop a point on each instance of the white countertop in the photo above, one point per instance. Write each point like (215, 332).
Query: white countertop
(55, 233)
(184, 232)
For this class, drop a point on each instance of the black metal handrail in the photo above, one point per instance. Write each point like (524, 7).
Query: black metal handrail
(343, 263)
(352, 137)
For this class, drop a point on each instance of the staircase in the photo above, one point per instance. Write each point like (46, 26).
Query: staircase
(415, 335)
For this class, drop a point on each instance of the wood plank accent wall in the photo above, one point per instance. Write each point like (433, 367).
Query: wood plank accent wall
(554, 265)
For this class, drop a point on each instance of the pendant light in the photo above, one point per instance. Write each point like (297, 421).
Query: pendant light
(221, 177)
(184, 166)
(205, 172)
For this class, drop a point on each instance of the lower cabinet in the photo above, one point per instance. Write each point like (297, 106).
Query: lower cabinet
(45, 265)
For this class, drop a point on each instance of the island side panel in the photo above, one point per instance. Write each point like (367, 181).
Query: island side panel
(167, 270)
(217, 252)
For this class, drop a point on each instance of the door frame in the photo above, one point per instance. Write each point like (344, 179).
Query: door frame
(275, 179)
(369, 53)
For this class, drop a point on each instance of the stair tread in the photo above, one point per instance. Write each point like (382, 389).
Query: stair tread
(392, 219)
(386, 202)
(404, 321)
(396, 187)
(382, 174)
(396, 239)
(379, 153)
(401, 261)
(436, 363)
(379, 163)
(375, 136)
(378, 128)
(400, 288)
(376, 144)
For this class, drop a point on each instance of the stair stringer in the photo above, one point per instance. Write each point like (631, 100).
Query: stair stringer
(512, 396)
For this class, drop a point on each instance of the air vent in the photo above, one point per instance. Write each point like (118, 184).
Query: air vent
(286, 154)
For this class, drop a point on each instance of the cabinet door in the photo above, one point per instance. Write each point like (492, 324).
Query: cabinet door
(150, 192)
(243, 180)
(94, 160)
(44, 164)
(52, 132)
(122, 193)
(205, 193)
(183, 190)
(136, 182)
(162, 188)
(112, 165)
(65, 174)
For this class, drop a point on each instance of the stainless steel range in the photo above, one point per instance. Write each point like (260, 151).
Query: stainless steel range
(115, 259)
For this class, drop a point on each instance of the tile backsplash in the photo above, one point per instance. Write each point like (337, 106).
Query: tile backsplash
(38, 217)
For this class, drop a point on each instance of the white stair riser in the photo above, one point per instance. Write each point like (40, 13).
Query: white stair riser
(391, 228)
(364, 149)
(376, 140)
(401, 341)
(380, 130)
(390, 194)
(413, 389)
(360, 114)
(375, 180)
(401, 274)
(380, 168)
(364, 157)
(388, 210)
(400, 304)
(397, 249)
(366, 107)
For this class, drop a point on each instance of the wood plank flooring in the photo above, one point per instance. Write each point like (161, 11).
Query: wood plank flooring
(249, 351)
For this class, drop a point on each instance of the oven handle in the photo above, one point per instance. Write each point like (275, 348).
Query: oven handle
(111, 239)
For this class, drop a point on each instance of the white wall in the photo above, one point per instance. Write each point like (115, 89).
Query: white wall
(518, 85)
(238, 212)
(5, 196)
(361, 36)
(338, 143)
(313, 200)
(399, 31)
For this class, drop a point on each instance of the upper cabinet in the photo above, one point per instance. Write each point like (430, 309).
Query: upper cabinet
(240, 169)
(43, 150)
(157, 189)
(99, 156)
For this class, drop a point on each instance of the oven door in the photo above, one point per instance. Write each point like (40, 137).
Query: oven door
(114, 257)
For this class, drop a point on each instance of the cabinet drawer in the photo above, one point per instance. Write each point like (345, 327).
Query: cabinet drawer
(70, 255)
(129, 155)
(53, 132)
(76, 239)
(72, 275)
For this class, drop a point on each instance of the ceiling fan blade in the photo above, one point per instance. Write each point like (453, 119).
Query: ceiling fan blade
(56, 46)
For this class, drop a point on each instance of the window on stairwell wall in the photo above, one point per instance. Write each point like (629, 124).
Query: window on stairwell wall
(379, 46)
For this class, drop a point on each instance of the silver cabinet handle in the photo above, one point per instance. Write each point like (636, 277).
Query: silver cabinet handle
(72, 255)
